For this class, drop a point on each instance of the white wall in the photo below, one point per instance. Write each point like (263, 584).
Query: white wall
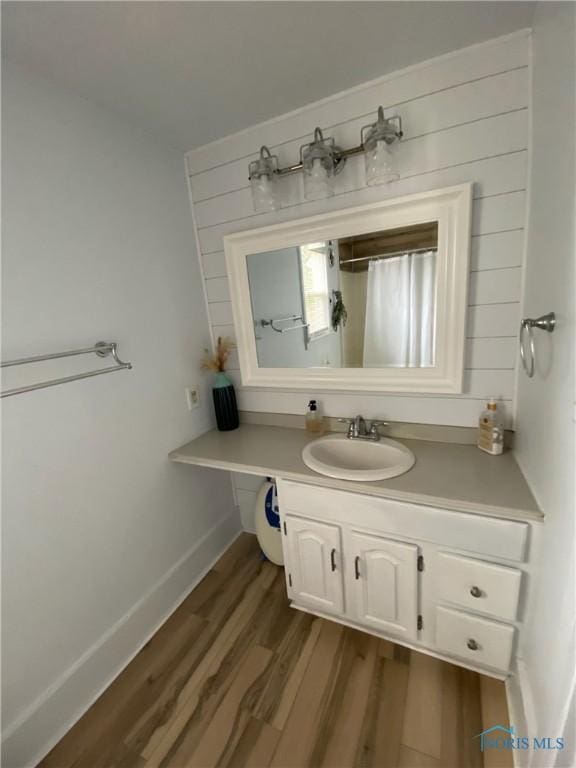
(545, 426)
(465, 119)
(101, 534)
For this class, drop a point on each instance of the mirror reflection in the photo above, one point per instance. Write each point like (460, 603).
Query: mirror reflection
(365, 301)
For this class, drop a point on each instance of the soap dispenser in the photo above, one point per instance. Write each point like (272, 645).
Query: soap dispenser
(314, 420)
(491, 429)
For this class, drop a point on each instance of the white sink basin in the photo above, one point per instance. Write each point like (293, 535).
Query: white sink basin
(338, 456)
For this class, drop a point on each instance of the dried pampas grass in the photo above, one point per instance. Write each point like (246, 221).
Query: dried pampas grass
(217, 361)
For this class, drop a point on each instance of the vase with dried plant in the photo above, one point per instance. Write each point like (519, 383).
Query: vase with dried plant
(222, 388)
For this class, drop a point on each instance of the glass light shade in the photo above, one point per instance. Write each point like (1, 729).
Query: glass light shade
(264, 182)
(318, 182)
(265, 195)
(318, 167)
(379, 164)
(378, 142)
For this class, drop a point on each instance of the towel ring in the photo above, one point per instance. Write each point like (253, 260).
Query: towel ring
(544, 323)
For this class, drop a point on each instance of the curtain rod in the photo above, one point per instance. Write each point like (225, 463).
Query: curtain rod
(405, 252)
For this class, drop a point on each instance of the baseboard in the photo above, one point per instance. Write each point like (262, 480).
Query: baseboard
(521, 710)
(41, 726)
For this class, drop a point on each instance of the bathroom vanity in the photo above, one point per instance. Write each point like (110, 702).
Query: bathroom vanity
(375, 299)
(437, 559)
(415, 574)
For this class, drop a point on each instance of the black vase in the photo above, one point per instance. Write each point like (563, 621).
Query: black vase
(225, 403)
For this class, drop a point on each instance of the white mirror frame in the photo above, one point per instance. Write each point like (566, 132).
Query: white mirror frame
(451, 207)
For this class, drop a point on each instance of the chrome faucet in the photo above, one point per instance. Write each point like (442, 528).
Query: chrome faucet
(358, 427)
(358, 430)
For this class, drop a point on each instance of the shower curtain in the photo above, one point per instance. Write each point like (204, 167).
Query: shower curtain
(399, 331)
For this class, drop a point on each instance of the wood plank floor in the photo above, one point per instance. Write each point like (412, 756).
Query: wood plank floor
(237, 678)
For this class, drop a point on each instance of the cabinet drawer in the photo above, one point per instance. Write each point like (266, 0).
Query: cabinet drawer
(478, 585)
(478, 640)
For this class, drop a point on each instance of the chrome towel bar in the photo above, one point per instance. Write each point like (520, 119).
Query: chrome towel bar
(544, 323)
(101, 348)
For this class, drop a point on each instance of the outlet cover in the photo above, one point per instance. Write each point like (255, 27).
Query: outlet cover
(192, 397)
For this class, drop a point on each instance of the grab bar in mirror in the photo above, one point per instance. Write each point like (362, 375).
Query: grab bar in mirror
(101, 348)
(290, 319)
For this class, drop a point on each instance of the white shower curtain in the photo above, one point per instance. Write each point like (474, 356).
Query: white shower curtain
(399, 330)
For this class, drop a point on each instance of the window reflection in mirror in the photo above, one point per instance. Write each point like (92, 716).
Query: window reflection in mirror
(365, 301)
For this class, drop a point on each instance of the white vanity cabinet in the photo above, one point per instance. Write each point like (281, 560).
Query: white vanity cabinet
(443, 582)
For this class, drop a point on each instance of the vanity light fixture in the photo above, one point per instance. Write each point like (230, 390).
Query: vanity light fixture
(322, 159)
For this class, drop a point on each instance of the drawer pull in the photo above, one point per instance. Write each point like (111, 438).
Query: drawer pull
(357, 567)
(476, 592)
(333, 559)
(472, 644)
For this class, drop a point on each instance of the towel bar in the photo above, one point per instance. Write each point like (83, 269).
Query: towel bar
(101, 348)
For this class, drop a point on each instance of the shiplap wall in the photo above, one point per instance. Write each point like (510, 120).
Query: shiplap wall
(465, 118)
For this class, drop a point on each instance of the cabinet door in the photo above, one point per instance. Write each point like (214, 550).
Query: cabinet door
(385, 583)
(313, 557)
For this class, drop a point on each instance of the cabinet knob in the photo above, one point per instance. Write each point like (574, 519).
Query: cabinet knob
(476, 592)
(472, 644)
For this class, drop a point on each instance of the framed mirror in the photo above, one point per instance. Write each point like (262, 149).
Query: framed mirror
(371, 298)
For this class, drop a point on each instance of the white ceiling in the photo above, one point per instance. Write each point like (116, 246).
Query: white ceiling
(193, 72)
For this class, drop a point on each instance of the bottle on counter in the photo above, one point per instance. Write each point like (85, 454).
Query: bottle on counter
(314, 419)
(491, 429)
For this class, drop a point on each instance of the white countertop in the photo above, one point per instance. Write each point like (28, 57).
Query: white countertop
(447, 475)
